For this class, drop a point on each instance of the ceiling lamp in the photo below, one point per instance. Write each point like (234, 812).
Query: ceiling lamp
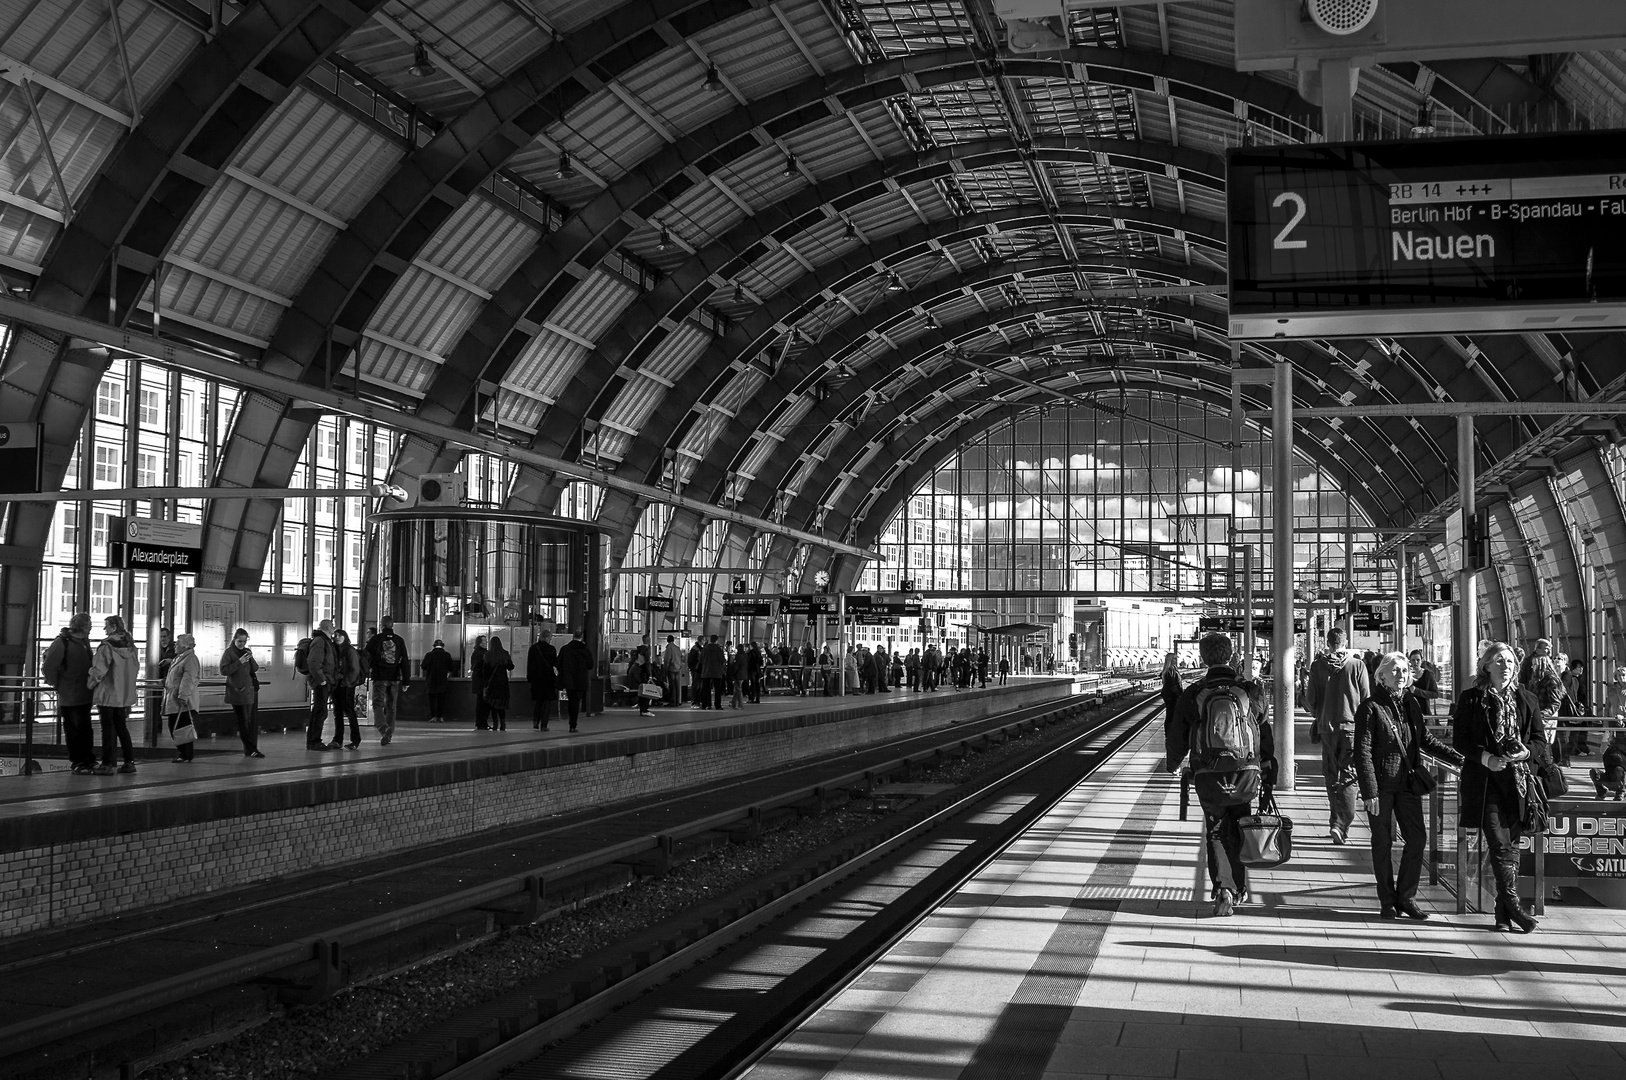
(739, 294)
(894, 283)
(851, 231)
(566, 169)
(790, 164)
(665, 242)
(1425, 119)
(714, 81)
(421, 67)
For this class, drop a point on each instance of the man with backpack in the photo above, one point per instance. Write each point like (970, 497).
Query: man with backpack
(66, 668)
(388, 667)
(1347, 684)
(1220, 721)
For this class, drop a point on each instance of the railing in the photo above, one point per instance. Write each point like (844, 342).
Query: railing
(33, 701)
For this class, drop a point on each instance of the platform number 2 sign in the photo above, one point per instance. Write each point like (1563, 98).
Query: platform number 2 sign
(1294, 199)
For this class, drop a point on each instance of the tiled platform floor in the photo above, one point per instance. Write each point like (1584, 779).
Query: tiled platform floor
(1080, 953)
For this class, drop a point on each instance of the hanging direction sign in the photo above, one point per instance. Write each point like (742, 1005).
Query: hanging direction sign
(734, 608)
(174, 547)
(1442, 236)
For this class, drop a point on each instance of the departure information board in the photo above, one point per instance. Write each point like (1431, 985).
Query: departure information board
(1510, 234)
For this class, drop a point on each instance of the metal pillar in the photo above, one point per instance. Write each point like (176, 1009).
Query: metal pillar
(1281, 512)
(1466, 620)
(841, 644)
(1400, 597)
(1248, 642)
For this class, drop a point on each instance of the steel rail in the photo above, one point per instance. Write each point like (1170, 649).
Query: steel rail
(527, 1044)
(513, 886)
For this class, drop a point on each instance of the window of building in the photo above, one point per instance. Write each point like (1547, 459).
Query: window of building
(104, 596)
(146, 469)
(69, 593)
(138, 602)
(98, 528)
(70, 523)
(150, 407)
(110, 400)
(109, 464)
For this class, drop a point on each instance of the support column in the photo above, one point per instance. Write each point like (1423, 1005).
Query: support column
(1400, 597)
(1465, 625)
(1338, 99)
(1248, 641)
(1281, 512)
(841, 644)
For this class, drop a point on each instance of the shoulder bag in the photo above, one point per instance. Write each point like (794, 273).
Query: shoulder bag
(1267, 837)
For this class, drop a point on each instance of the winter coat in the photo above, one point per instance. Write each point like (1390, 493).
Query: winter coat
(322, 661)
(181, 684)
(242, 678)
(382, 669)
(67, 667)
(349, 662)
(113, 672)
(575, 666)
(1475, 731)
(672, 658)
(713, 661)
(1389, 741)
(542, 668)
(1315, 689)
(1348, 685)
(477, 671)
(498, 664)
(1172, 686)
(438, 667)
(1427, 686)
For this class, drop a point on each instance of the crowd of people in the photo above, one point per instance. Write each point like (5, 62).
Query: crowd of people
(1371, 716)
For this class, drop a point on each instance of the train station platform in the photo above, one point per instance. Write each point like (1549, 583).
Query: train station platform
(1080, 952)
(75, 848)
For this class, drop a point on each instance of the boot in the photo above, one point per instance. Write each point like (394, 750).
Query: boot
(1597, 781)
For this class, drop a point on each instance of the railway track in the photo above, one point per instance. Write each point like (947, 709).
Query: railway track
(312, 965)
(702, 997)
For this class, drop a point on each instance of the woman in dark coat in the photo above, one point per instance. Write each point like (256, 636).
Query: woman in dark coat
(1493, 723)
(1171, 682)
(1389, 740)
(498, 665)
(438, 667)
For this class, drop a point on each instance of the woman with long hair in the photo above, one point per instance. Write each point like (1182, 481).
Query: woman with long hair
(498, 664)
(1494, 723)
(1172, 686)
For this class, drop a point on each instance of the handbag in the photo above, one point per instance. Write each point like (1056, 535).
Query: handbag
(1533, 811)
(650, 690)
(184, 733)
(1267, 837)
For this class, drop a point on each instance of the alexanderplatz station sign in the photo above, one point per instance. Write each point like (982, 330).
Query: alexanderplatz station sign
(1429, 236)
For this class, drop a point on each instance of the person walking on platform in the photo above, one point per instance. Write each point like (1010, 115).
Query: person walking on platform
(1494, 724)
(155, 699)
(477, 684)
(1347, 685)
(387, 666)
(1425, 681)
(66, 667)
(242, 673)
(672, 664)
(321, 671)
(542, 675)
(438, 667)
(498, 664)
(575, 674)
(1220, 721)
(1172, 686)
(350, 666)
(1390, 737)
(181, 695)
(112, 681)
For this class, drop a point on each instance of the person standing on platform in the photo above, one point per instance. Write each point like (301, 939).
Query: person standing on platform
(112, 682)
(911, 670)
(639, 672)
(753, 674)
(1390, 737)
(1220, 721)
(350, 665)
(67, 668)
(1425, 681)
(387, 667)
(242, 674)
(1493, 726)
(809, 670)
(322, 674)
(1346, 687)
(1172, 686)
(930, 663)
(438, 667)
(672, 665)
(155, 700)
(1004, 669)
(477, 684)
(181, 695)
(827, 668)
(736, 674)
(498, 665)
(542, 673)
(713, 673)
(1527, 664)
(575, 674)
(982, 667)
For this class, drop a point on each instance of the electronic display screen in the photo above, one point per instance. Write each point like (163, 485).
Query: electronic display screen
(1430, 235)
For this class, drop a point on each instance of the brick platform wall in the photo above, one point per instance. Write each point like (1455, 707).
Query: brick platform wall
(318, 823)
